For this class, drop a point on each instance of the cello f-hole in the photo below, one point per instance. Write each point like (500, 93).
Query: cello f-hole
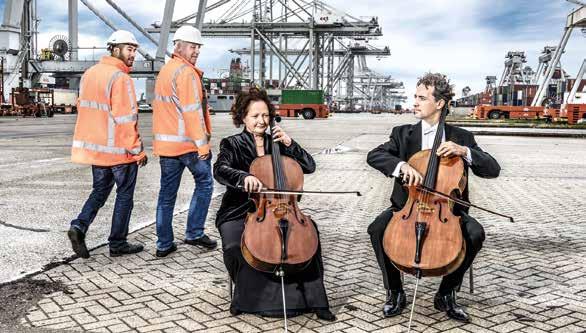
(262, 211)
(406, 217)
(439, 215)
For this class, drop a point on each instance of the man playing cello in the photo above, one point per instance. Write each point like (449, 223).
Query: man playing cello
(432, 93)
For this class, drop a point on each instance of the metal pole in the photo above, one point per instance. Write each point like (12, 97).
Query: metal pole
(551, 69)
(252, 46)
(201, 11)
(294, 64)
(311, 55)
(2, 97)
(165, 29)
(25, 28)
(271, 66)
(322, 59)
(285, 70)
(537, 75)
(502, 80)
(134, 24)
(350, 83)
(261, 62)
(331, 63)
(111, 25)
(297, 69)
(280, 64)
(280, 56)
(35, 27)
(211, 7)
(572, 95)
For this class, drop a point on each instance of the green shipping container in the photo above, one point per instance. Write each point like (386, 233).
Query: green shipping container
(302, 97)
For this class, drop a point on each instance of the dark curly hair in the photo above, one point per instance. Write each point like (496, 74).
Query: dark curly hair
(443, 89)
(239, 109)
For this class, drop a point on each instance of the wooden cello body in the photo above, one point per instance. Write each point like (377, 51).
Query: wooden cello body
(277, 235)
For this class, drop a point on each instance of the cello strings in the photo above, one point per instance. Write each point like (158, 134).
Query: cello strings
(280, 186)
(433, 160)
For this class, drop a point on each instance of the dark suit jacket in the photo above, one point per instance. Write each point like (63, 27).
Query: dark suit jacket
(405, 141)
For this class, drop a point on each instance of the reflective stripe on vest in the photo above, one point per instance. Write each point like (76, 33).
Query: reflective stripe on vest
(166, 99)
(104, 149)
(175, 99)
(187, 108)
(199, 108)
(177, 138)
(94, 105)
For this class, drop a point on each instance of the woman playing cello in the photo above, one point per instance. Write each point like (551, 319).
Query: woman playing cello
(255, 291)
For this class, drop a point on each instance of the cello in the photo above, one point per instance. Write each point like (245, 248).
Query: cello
(277, 236)
(424, 238)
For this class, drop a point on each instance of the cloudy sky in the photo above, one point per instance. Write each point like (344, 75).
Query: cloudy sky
(465, 39)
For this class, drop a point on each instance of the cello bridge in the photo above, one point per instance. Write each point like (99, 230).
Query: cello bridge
(281, 210)
(424, 208)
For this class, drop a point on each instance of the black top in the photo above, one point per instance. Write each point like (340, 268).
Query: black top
(233, 165)
(405, 141)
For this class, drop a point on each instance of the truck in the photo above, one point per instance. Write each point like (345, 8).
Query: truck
(29, 102)
(65, 100)
(515, 103)
(575, 113)
(308, 103)
(509, 102)
(508, 112)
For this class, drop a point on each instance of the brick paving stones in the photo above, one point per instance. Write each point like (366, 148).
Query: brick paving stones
(529, 277)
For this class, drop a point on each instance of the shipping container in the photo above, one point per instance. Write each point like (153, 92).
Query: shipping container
(308, 103)
(302, 97)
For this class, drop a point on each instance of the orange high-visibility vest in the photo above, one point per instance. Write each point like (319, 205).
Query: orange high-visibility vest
(106, 131)
(181, 122)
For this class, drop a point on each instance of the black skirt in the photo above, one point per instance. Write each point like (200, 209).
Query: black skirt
(259, 292)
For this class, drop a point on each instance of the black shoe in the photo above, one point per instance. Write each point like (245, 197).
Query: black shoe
(77, 239)
(166, 252)
(126, 249)
(204, 241)
(325, 314)
(395, 303)
(448, 304)
(234, 312)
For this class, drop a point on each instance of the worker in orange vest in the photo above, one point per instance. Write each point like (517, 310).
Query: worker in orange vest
(106, 137)
(182, 130)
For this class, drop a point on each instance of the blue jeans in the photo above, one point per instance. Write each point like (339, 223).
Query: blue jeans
(171, 172)
(104, 178)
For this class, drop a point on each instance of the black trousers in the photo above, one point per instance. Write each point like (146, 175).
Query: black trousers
(472, 232)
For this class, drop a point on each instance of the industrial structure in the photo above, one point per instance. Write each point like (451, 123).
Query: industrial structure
(547, 93)
(298, 43)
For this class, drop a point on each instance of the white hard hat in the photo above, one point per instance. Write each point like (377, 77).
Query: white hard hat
(122, 37)
(189, 34)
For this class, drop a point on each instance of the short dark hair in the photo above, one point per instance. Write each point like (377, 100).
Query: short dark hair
(443, 89)
(111, 47)
(120, 46)
(239, 109)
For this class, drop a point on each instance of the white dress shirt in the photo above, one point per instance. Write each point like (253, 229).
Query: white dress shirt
(427, 138)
